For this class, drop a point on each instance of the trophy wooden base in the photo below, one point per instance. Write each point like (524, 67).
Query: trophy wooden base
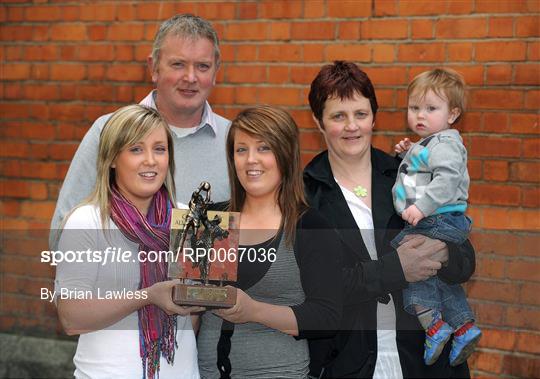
(209, 296)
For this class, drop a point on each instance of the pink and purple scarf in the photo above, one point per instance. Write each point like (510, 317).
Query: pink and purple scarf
(157, 330)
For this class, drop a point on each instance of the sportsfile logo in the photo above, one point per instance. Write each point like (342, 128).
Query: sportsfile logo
(118, 255)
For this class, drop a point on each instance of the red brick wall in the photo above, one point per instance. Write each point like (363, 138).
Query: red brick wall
(65, 63)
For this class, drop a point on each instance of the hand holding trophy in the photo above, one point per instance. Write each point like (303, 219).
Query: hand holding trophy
(205, 245)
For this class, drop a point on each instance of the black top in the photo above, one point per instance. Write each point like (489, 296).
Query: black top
(317, 257)
(316, 250)
(352, 352)
(250, 270)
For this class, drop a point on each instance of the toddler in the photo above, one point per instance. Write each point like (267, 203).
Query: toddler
(430, 193)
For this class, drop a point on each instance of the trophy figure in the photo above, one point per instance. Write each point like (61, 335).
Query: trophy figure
(210, 240)
(211, 232)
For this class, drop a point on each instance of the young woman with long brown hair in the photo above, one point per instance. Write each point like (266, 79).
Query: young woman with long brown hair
(292, 289)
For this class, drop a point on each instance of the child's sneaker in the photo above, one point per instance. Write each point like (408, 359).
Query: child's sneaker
(465, 340)
(437, 335)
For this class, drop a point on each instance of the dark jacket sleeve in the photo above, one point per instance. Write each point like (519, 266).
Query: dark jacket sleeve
(374, 279)
(461, 263)
(318, 260)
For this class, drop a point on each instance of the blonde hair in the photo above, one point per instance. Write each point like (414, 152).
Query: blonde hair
(126, 126)
(445, 83)
(277, 129)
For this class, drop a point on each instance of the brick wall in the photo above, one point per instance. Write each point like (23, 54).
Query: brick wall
(65, 63)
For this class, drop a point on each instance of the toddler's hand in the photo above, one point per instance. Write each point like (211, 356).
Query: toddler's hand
(402, 146)
(412, 215)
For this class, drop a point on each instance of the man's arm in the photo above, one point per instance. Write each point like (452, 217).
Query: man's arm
(80, 178)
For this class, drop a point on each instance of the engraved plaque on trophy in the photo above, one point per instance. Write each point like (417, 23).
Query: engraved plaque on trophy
(205, 246)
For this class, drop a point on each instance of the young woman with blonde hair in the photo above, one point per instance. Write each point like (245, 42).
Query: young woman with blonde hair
(117, 296)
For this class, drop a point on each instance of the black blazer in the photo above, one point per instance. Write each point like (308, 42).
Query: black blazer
(352, 353)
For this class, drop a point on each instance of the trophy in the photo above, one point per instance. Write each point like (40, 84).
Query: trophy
(204, 245)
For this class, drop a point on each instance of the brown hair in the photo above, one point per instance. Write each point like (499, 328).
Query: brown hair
(445, 83)
(342, 79)
(277, 129)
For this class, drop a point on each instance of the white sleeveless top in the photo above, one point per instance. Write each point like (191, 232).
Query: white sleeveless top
(113, 352)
